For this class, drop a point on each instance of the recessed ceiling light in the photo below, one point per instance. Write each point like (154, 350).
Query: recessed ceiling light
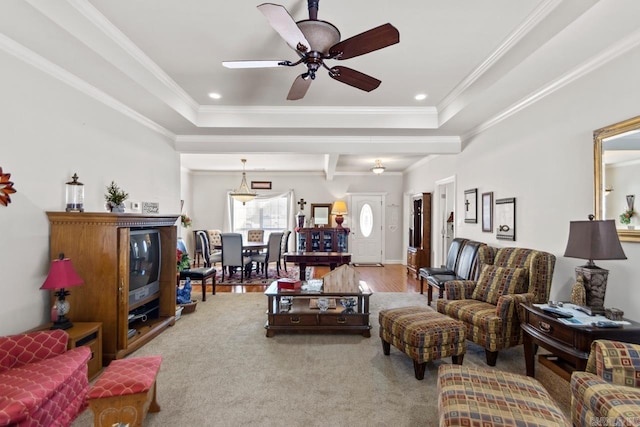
(421, 96)
(214, 95)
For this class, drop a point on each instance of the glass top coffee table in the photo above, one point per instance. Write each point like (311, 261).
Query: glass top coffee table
(297, 311)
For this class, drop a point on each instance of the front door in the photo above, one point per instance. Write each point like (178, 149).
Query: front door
(367, 232)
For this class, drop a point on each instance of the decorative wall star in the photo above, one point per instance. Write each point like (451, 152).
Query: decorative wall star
(6, 188)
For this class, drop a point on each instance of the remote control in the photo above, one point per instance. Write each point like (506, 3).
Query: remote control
(606, 324)
(557, 313)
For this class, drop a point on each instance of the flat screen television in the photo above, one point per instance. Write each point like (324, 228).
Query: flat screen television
(144, 264)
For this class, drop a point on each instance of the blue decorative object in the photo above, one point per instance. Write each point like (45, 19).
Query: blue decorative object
(184, 293)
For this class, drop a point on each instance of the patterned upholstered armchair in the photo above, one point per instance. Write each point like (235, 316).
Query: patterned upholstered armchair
(490, 306)
(608, 392)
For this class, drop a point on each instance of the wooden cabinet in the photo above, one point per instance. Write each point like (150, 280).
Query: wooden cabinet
(322, 240)
(98, 245)
(419, 250)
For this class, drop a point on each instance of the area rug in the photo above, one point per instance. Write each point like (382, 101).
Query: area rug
(375, 264)
(293, 272)
(219, 369)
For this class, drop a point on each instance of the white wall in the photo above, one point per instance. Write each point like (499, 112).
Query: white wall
(209, 190)
(543, 156)
(48, 132)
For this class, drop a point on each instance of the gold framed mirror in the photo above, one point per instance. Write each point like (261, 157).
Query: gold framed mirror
(321, 214)
(616, 150)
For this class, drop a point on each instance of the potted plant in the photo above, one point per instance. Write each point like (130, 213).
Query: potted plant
(115, 198)
(185, 220)
(625, 217)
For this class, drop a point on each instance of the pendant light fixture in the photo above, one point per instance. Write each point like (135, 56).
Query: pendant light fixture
(378, 168)
(243, 194)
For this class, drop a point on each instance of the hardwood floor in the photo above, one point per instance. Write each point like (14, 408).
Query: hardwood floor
(389, 278)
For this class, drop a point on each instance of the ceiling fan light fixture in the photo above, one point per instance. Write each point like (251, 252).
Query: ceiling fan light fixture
(378, 168)
(243, 194)
(321, 35)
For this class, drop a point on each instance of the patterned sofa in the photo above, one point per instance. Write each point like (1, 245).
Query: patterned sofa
(41, 383)
(608, 392)
(490, 306)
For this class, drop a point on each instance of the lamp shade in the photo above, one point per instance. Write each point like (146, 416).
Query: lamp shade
(62, 275)
(594, 240)
(339, 208)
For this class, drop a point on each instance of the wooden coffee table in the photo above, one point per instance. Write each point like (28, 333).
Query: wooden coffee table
(301, 318)
(570, 345)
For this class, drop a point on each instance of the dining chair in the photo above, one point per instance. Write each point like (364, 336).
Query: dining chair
(284, 248)
(201, 274)
(272, 254)
(214, 255)
(255, 235)
(213, 237)
(233, 257)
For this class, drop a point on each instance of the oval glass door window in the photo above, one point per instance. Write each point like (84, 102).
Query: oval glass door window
(366, 220)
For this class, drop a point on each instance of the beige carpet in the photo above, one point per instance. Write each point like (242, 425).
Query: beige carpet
(219, 369)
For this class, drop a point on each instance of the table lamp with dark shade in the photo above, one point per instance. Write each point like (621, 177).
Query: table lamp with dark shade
(61, 275)
(594, 240)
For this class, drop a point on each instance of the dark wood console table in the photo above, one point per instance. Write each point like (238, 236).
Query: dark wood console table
(569, 345)
(332, 259)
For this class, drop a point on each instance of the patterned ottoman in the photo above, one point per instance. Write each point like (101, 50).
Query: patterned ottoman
(470, 397)
(125, 392)
(423, 334)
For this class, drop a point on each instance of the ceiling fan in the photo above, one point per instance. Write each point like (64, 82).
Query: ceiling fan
(315, 41)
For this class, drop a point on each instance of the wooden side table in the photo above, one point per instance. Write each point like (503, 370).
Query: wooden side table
(89, 334)
(570, 345)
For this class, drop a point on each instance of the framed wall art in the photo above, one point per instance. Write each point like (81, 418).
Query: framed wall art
(471, 206)
(487, 211)
(261, 185)
(506, 219)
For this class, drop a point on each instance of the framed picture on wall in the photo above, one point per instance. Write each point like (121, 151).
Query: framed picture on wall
(506, 219)
(487, 211)
(471, 206)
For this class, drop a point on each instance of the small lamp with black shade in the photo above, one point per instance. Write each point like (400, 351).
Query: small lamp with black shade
(61, 275)
(593, 240)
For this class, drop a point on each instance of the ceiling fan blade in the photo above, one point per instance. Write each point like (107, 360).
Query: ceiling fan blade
(254, 64)
(299, 88)
(354, 78)
(284, 24)
(374, 39)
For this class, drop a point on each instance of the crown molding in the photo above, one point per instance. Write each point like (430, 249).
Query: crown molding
(29, 57)
(319, 144)
(602, 58)
(532, 21)
(317, 117)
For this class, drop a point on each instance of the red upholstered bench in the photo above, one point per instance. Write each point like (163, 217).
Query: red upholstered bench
(125, 392)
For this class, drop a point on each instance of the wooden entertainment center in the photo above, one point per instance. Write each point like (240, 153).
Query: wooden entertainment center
(98, 246)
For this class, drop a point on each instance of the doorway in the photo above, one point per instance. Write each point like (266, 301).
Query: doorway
(444, 218)
(367, 228)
